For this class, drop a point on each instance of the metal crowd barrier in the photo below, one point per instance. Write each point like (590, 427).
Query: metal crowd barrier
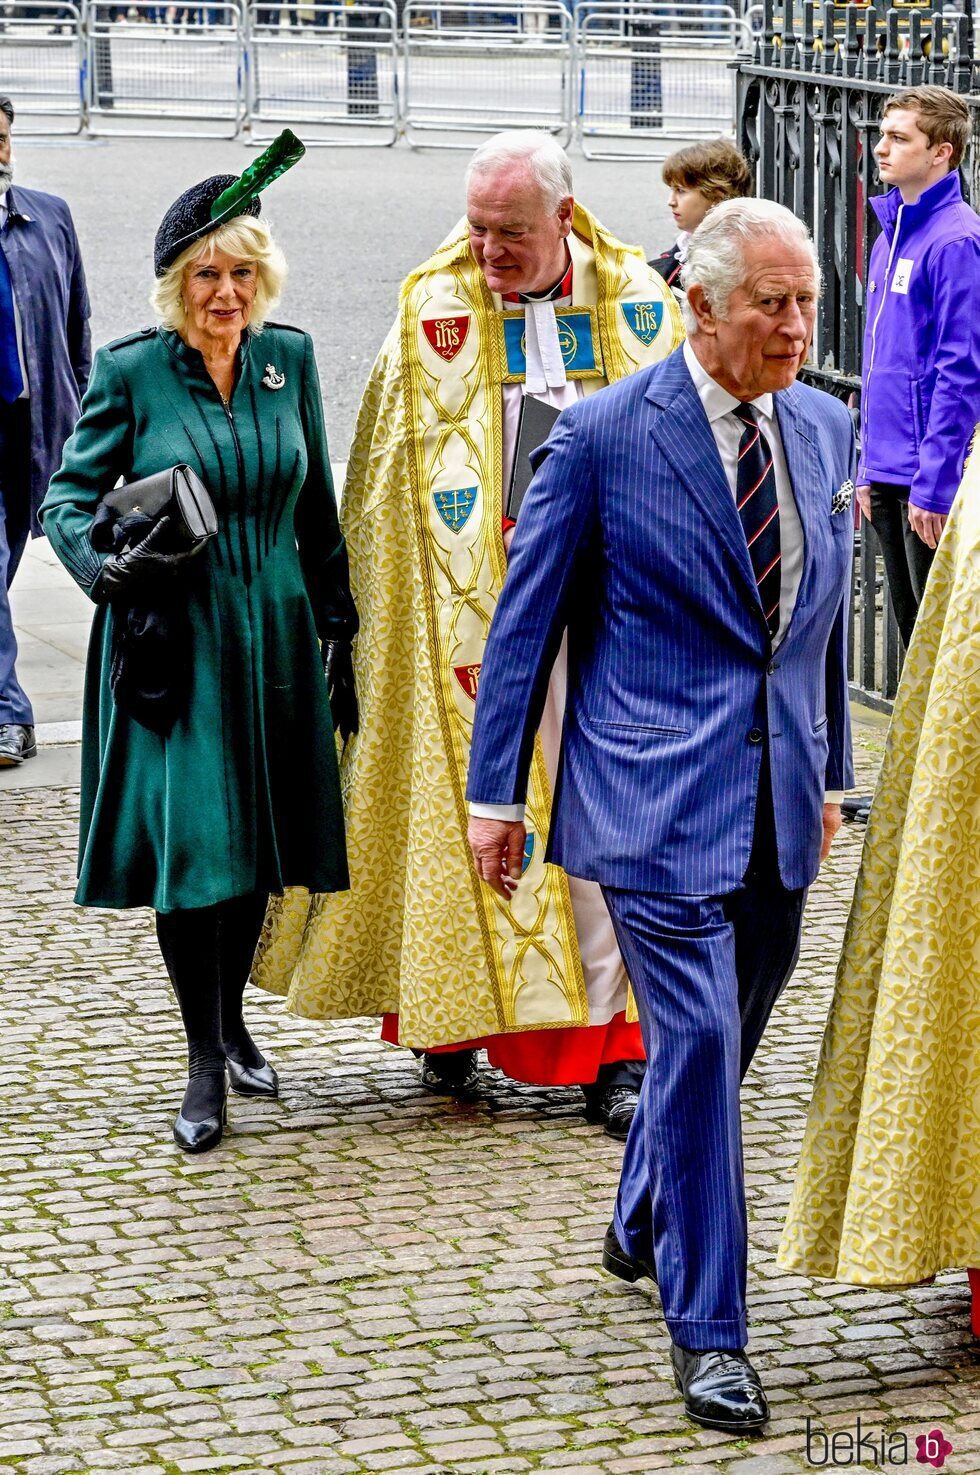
(42, 65)
(652, 74)
(330, 70)
(629, 78)
(166, 69)
(482, 66)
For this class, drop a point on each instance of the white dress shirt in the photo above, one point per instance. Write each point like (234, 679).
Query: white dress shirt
(727, 431)
(25, 392)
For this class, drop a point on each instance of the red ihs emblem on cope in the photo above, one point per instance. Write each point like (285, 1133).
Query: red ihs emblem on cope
(468, 677)
(447, 335)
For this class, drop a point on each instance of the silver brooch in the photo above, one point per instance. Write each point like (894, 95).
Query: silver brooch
(272, 379)
(842, 498)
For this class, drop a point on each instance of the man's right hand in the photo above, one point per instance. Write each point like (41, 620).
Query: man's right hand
(498, 852)
(863, 494)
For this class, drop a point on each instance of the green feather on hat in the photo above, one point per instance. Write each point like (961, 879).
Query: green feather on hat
(213, 202)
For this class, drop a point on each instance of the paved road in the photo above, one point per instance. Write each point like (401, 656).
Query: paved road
(352, 223)
(367, 1279)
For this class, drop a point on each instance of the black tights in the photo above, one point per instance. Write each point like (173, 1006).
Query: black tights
(208, 953)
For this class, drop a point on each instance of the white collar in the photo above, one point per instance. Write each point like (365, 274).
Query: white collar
(718, 401)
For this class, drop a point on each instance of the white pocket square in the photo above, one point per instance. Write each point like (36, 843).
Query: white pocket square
(842, 498)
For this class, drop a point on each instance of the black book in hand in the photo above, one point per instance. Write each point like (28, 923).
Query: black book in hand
(537, 420)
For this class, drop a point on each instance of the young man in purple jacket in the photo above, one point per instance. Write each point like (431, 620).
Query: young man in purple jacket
(920, 383)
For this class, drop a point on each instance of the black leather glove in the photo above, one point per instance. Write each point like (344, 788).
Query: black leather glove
(144, 567)
(338, 668)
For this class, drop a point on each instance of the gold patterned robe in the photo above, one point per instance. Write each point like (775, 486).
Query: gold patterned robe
(417, 934)
(888, 1187)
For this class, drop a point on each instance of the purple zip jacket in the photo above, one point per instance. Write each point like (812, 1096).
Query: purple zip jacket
(920, 382)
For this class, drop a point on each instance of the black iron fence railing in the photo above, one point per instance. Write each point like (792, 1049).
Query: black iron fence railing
(809, 103)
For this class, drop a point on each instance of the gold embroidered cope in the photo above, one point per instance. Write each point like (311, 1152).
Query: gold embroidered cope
(418, 934)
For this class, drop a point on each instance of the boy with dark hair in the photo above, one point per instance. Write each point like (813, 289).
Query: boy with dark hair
(699, 176)
(920, 382)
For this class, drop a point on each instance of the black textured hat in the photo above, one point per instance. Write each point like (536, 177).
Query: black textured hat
(205, 206)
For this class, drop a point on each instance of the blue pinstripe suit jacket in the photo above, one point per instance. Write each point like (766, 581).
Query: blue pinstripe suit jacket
(629, 538)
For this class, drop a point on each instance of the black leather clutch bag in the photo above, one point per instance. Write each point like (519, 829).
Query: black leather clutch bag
(178, 494)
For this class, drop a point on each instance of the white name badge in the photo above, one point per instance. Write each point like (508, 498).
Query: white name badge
(903, 271)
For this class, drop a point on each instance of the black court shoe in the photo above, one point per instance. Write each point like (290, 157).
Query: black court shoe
(252, 1080)
(202, 1134)
(619, 1262)
(721, 1389)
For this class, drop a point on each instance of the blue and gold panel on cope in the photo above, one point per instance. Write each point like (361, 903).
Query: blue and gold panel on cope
(578, 338)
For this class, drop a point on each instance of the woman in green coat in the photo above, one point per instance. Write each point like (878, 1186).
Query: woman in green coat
(238, 794)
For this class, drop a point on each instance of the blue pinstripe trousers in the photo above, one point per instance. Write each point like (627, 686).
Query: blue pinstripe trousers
(706, 972)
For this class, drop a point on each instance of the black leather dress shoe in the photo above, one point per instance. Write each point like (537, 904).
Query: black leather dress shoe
(450, 1072)
(613, 1109)
(856, 809)
(619, 1262)
(252, 1080)
(16, 743)
(721, 1390)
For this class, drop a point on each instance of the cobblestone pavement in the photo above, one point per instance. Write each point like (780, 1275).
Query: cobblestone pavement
(367, 1279)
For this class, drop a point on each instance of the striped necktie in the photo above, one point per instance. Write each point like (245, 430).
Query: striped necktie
(11, 378)
(755, 496)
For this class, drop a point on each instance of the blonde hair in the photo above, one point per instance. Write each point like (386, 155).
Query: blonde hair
(247, 239)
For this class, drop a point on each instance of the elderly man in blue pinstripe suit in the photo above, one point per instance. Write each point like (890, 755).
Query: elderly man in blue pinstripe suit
(690, 530)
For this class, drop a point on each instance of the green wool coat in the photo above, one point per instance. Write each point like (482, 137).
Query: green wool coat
(243, 795)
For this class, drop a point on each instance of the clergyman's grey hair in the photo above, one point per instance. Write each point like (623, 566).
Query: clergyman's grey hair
(545, 158)
(716, 250)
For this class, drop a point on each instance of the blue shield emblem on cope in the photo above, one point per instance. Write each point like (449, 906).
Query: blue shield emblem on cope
(528, 851)
(644, 320)
(455, 507)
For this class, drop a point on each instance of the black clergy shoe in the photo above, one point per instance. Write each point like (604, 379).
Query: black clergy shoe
(612, 1108)
(856, 809)
(620, 1262)
(252, 1080)
(17, 742)
(200, 1134)
(450, 1072)
(721, 1389)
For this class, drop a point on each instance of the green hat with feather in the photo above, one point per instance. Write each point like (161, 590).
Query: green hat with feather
(212, 203)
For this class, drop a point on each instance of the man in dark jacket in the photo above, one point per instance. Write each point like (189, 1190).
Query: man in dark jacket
(45, 352)
(920, 388)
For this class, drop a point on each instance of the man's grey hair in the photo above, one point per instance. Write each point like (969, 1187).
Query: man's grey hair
(544, 157)
(716, 251)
